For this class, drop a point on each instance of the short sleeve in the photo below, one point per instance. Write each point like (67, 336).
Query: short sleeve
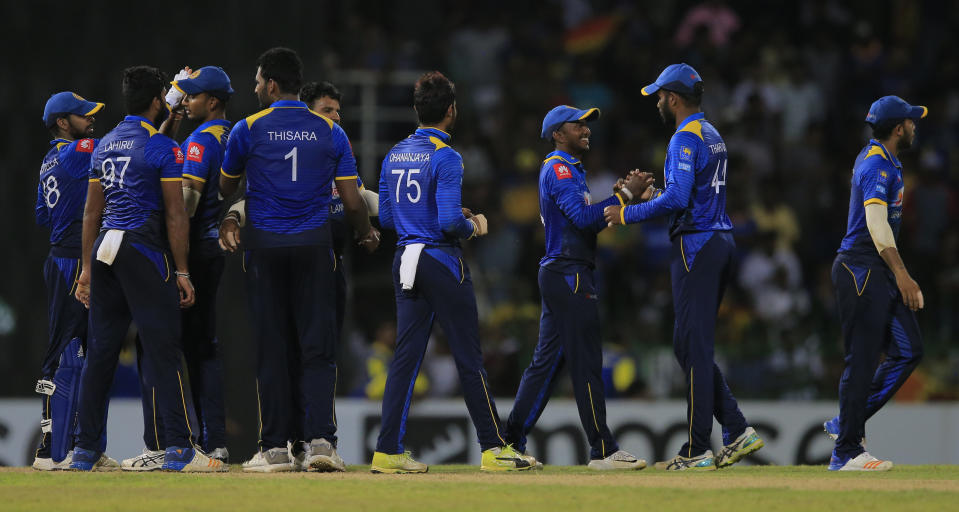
(874, 183)
(165, 155)
(237, 150)
(197, 155)
(343, 150)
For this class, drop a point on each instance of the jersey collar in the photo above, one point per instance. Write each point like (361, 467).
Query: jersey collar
(138, 119)
(288, 104)
(564, 156)
(221, 122)
(59, 140)
(435, 132)
(894, 160)
(695, 117)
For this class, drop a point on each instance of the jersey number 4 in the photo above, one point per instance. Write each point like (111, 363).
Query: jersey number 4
(410, 183)
(716, 183)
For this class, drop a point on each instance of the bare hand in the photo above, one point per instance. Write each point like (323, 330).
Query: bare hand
(618, 186)
(371, 241)
(187, 293)
(911, 294)
(612, 215)
(229, 234)
(83, 288)
(639, 182)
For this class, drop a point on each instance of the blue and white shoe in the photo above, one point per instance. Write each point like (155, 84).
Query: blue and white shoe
(191, 460)
(861, 462)
(832, 430)
(89, 460)
(704, 462)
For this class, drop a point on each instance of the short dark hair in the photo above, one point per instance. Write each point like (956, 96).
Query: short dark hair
(140, 85)
(283, 66)
(313, 91)
(54, 128)
(883, 129)
(432, 97)
(693, 99)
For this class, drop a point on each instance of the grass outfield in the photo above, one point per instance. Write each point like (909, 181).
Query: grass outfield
(452, 488)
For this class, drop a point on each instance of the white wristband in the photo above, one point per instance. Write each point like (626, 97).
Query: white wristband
(627, 193)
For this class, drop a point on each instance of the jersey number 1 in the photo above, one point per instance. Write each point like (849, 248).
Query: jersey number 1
(292, 154)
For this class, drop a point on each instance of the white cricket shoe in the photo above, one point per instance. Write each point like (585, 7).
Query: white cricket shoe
(619, 460)
(861, 462)
(149, 460)
(274, 460)
(44, 464)
(323, 457)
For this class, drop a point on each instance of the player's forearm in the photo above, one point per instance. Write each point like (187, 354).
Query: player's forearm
(891, 256)
(354, 208)
(450, 211)
(673, 199)
(178, 234)
(228, 185)
(91, 226)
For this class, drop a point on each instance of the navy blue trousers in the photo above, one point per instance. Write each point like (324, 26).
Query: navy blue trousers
(200, 345)
(205, 394)
(699, 278)
(291, 296)
(874, 321)
(67, 320)
(568, 333)
(139, 286)
(443, 292)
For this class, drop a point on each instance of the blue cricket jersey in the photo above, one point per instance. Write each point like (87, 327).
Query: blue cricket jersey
(338, 225)
(695, 190)
(203, 151)
(876, 179)
(62, 191)
(570, 220)
(129, 163)
(420, 194)
(291, 156)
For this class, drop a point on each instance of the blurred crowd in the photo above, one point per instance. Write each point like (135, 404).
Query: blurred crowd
(787, 86)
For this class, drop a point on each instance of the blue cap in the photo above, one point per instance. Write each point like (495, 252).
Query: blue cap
(893, 107)
(68, 103)
(677, 78)
(564, 114)
(206, 79)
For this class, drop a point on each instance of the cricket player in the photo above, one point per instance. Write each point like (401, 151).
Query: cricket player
(324, 98)
(61, 192)
(419, 196)
(203, 94)
(695, 199)
(877, 311)
(569, 325)
(139, 273)
(291, 156)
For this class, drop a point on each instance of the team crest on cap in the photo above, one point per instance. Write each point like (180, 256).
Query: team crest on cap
(194, 74)
(85, 145)
(77, 96)
(562, 171)
(194, 152)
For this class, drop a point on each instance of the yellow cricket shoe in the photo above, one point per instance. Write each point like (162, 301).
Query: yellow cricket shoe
(396, 463)
(505, 458)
